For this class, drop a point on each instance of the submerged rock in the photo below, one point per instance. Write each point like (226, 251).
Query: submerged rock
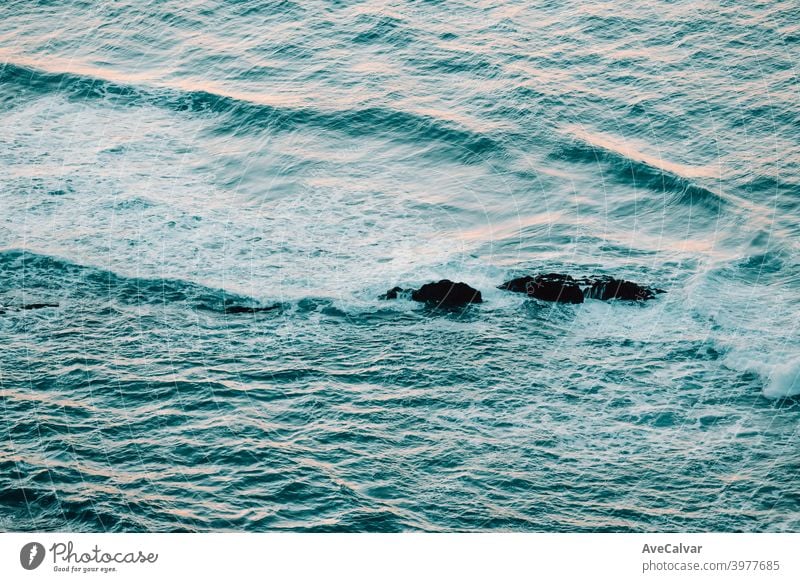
(444, 293)
(26, 307)
(237, 309)
(565, 289)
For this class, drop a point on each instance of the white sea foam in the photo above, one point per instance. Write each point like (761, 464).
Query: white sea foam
(784, 380)
(779, 372)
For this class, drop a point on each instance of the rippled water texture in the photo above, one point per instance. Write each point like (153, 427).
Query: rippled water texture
(160, 161)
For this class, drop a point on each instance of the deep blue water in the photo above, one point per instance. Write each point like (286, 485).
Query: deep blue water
(161, 159)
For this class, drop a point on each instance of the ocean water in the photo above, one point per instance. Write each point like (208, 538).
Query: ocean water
(161, 160)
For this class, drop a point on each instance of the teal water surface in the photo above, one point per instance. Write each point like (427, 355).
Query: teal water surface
(163, 160)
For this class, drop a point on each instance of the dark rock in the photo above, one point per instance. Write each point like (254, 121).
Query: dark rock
(606, 288)
(444, 293)
(447, 293)
(566, 289)
(550, 287)
(518, 285)
(394, 293)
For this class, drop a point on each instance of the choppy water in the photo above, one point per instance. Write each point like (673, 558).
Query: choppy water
(159, 159)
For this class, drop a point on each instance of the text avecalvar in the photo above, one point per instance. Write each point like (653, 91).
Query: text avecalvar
(671, 549)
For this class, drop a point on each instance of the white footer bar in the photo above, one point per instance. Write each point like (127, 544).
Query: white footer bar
(418, 557)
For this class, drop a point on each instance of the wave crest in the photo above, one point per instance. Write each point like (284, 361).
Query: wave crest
(237, 112)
